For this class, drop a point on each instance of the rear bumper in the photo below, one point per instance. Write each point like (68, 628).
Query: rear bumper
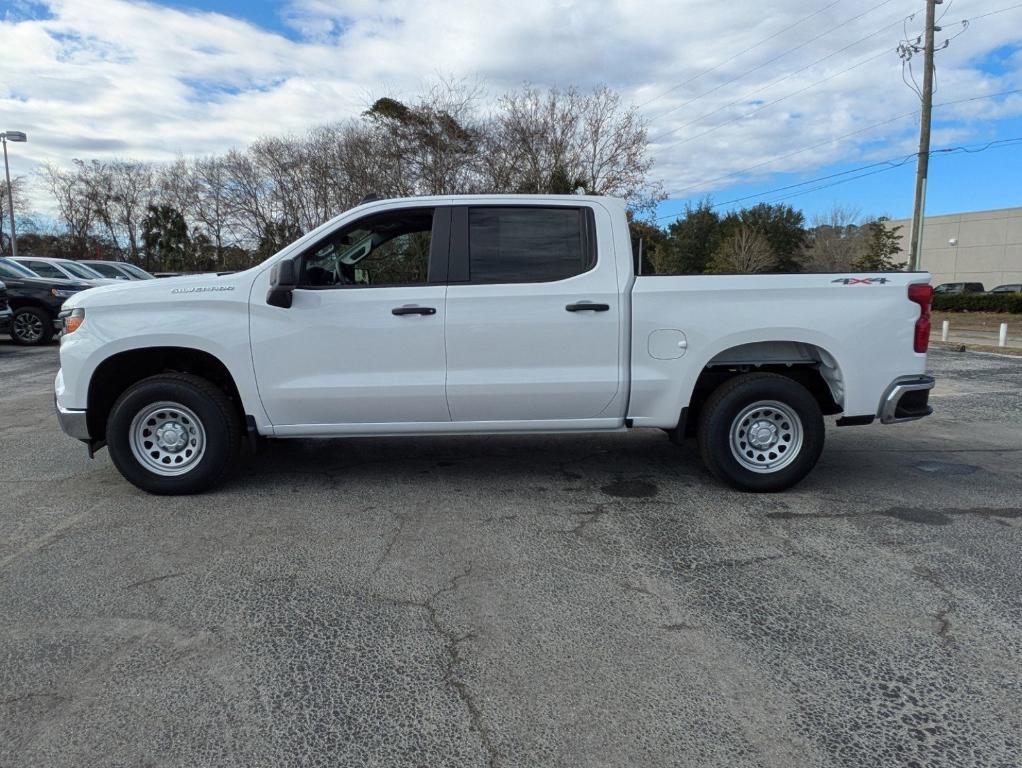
(906, 399)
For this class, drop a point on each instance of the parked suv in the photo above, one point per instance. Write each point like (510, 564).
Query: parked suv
(35, 302)
(953, 289)
(1009, 288)
(63, 269)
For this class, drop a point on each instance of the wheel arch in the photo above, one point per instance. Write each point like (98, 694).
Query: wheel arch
(24, 302)
(119, 371)
(806, 362)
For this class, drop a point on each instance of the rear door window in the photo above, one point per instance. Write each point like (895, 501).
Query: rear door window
(529, 244)
(44, 269)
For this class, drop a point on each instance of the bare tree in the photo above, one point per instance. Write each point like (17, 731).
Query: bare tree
(743, 252)
(432, 145)
(19, 191)
(211, 207)
(442, 142)
(75, 205)
(836, 240)
(561, 141)
(248, 194)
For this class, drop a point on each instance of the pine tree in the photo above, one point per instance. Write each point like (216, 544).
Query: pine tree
(883, 244)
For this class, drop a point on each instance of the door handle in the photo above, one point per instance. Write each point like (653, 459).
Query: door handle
(413, 311)
(587, 306)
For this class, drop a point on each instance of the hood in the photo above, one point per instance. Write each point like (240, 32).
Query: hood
(47, 282)
(186, 287)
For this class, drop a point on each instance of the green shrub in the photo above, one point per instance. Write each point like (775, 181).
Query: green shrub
(979, 302)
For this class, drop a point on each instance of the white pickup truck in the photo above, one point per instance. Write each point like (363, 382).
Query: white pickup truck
(486, 314)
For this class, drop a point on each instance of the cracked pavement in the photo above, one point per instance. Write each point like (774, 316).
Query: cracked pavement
(518, 601)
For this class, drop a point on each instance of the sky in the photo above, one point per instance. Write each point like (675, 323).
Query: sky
(793, 101)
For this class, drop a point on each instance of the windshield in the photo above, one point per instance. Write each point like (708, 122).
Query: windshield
(10, 268)
(80, 270)
(138, 272)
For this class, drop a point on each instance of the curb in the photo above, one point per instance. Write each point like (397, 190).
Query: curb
(987, 349)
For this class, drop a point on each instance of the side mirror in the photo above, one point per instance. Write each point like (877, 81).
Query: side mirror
(283, 279)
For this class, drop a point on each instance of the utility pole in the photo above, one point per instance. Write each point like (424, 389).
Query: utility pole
(923, 164)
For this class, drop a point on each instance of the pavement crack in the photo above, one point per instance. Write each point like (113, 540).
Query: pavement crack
(391, 541)
(589, 518)
(942, 616)
(454, 659)
(143, 582)
(734, 562)
(32, 695)
(943, 622)
(452, 648)
(923, 515)
(679, 627)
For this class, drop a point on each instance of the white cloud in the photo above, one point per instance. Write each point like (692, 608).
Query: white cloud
(105, 78)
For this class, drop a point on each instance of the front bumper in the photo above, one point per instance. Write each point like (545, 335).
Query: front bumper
(5, 320)
(906, 399)
(74, 423)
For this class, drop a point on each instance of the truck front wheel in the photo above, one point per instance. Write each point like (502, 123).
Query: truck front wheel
(761, 432)
(172, 434)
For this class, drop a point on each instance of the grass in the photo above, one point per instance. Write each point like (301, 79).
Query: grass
(978, 321)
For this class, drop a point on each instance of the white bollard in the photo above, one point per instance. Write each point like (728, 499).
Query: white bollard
(943, 330)
(1002, 339)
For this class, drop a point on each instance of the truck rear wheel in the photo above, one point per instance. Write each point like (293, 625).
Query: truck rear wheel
(173, 434)
(761, 432)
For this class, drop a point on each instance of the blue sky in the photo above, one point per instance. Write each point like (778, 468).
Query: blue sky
(728, 105)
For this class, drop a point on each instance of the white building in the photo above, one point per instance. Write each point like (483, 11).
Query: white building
(981, 247)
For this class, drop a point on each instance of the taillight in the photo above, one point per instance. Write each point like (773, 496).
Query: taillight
(921, 294)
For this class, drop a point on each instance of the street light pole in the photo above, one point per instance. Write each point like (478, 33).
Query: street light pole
(10, 199)
(13, 136)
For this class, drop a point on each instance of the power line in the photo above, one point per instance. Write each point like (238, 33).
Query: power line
(873, 168)
(739, 54)
(779, 100)
(796, 152)
(1001, 144)
(839, 138)
(766, 63)
(1000, 10)
(775, 82)
(965, 24)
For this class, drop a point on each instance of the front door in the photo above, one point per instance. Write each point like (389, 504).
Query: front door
(362, 346)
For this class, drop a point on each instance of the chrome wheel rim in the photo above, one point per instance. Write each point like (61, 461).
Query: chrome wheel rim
(766, 436)
(28, 327)
(167, 438)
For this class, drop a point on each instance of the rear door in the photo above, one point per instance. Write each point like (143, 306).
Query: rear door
(533, 314)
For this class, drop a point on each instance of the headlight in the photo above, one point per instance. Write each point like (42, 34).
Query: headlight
(62, 293)
(72, 319)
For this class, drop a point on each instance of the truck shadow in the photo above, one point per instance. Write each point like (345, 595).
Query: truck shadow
(628, 464)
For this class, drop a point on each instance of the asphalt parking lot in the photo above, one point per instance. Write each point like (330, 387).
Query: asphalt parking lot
(518, 601)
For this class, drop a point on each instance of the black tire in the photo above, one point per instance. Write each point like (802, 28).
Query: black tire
(793, 459)
(211, 408)
(31, 327)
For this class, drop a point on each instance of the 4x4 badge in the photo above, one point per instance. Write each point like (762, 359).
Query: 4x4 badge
(861, 280)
